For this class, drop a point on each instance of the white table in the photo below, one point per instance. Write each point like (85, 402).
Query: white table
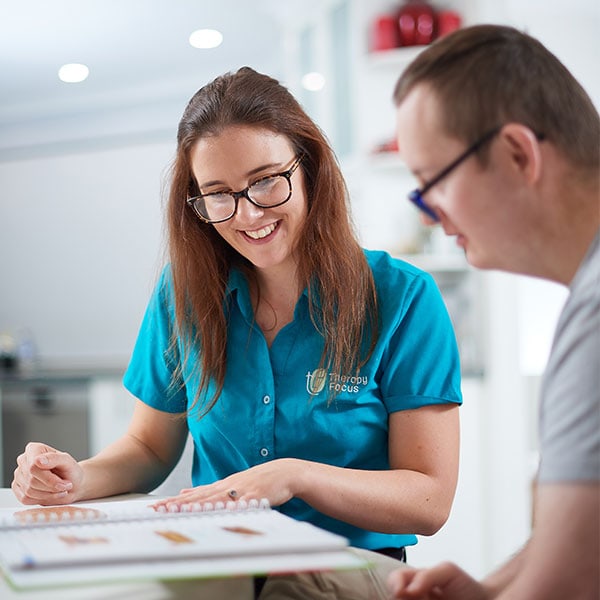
(230, 589)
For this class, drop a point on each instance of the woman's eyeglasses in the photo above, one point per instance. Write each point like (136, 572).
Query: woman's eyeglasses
(267, 192)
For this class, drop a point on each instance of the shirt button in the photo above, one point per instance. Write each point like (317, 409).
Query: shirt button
(266, 399)
(264, 452)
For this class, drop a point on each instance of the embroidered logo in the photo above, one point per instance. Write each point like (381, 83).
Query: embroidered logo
(317, 380)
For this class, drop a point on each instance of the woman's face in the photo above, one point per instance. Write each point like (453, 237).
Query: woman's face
(236, 158)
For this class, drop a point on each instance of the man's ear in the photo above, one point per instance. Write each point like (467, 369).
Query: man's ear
(524, 152)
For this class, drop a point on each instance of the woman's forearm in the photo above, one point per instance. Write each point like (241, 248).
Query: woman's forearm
(140, 459)
(125, 466)
(413, 496)
(396, 501)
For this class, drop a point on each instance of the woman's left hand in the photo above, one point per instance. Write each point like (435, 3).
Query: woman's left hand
(274, 481)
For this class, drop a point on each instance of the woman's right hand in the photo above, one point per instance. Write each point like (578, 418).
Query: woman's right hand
(45, 475)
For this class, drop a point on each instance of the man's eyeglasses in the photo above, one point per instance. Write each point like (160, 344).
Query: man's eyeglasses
(416, 196)
(267, 192)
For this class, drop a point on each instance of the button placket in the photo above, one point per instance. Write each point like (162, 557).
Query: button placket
(265, 439)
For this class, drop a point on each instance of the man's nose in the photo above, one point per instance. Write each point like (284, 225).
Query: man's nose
(428, 221)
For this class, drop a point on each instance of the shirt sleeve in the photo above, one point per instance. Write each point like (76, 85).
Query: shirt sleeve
(152, 372)
(570, 398)
(420, 365)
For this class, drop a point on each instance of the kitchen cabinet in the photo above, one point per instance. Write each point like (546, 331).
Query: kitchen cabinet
(43, 410)
(59, 407)
(76, 411)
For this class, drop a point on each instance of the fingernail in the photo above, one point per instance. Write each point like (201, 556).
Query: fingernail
(43, 460)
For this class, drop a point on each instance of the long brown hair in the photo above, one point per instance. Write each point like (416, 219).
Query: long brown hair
(332, 266)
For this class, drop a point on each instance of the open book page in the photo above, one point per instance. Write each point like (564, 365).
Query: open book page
(129, 539)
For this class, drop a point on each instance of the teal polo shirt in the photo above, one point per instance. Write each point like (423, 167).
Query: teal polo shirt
(276, 402)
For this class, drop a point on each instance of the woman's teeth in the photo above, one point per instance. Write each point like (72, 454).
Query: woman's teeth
(261, 233)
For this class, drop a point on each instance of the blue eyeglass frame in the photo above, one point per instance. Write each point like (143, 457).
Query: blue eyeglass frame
(416, 196)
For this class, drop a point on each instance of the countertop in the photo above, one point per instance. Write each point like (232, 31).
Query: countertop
(48, 374)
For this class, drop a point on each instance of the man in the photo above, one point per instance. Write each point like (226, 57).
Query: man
(506, 145)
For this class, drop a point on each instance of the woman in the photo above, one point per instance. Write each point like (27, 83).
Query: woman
(312, 373)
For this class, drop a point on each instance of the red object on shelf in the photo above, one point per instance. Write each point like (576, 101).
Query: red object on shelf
(386, 35)
(386, 147)
(417, 23)
(448, 21)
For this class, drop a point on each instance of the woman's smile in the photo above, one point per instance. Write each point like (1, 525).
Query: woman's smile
(262, 233)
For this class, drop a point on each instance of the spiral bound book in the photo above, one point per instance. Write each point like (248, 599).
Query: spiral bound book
(129, 540)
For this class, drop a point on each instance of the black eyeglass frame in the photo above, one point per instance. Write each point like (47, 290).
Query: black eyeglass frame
(244, 193)
(416, 196)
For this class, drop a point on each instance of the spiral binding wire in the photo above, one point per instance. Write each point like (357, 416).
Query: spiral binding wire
(90, 516)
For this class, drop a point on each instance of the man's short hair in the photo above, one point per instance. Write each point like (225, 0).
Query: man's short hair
(488, 75)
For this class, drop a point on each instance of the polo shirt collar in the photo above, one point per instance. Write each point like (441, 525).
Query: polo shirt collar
(237, 289)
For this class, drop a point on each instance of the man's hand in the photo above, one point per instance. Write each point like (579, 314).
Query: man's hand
(446, 581)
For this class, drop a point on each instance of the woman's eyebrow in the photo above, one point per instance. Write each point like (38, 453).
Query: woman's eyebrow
(248, 174)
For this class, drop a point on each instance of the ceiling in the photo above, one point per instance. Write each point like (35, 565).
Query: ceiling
(138, 54)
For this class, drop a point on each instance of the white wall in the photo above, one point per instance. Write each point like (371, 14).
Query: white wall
(568, 29)
(80, 239)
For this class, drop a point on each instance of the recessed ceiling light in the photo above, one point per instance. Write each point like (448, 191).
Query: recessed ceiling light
(206, 38)
(73, 73)
(313, 82)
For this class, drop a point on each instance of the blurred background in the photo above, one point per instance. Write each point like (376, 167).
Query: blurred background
(84, 169)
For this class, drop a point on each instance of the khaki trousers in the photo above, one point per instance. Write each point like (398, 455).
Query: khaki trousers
(355, 584)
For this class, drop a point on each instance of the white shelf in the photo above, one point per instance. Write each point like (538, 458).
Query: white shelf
(386, 161)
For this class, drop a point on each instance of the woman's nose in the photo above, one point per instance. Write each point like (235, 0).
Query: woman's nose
(247, 211)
